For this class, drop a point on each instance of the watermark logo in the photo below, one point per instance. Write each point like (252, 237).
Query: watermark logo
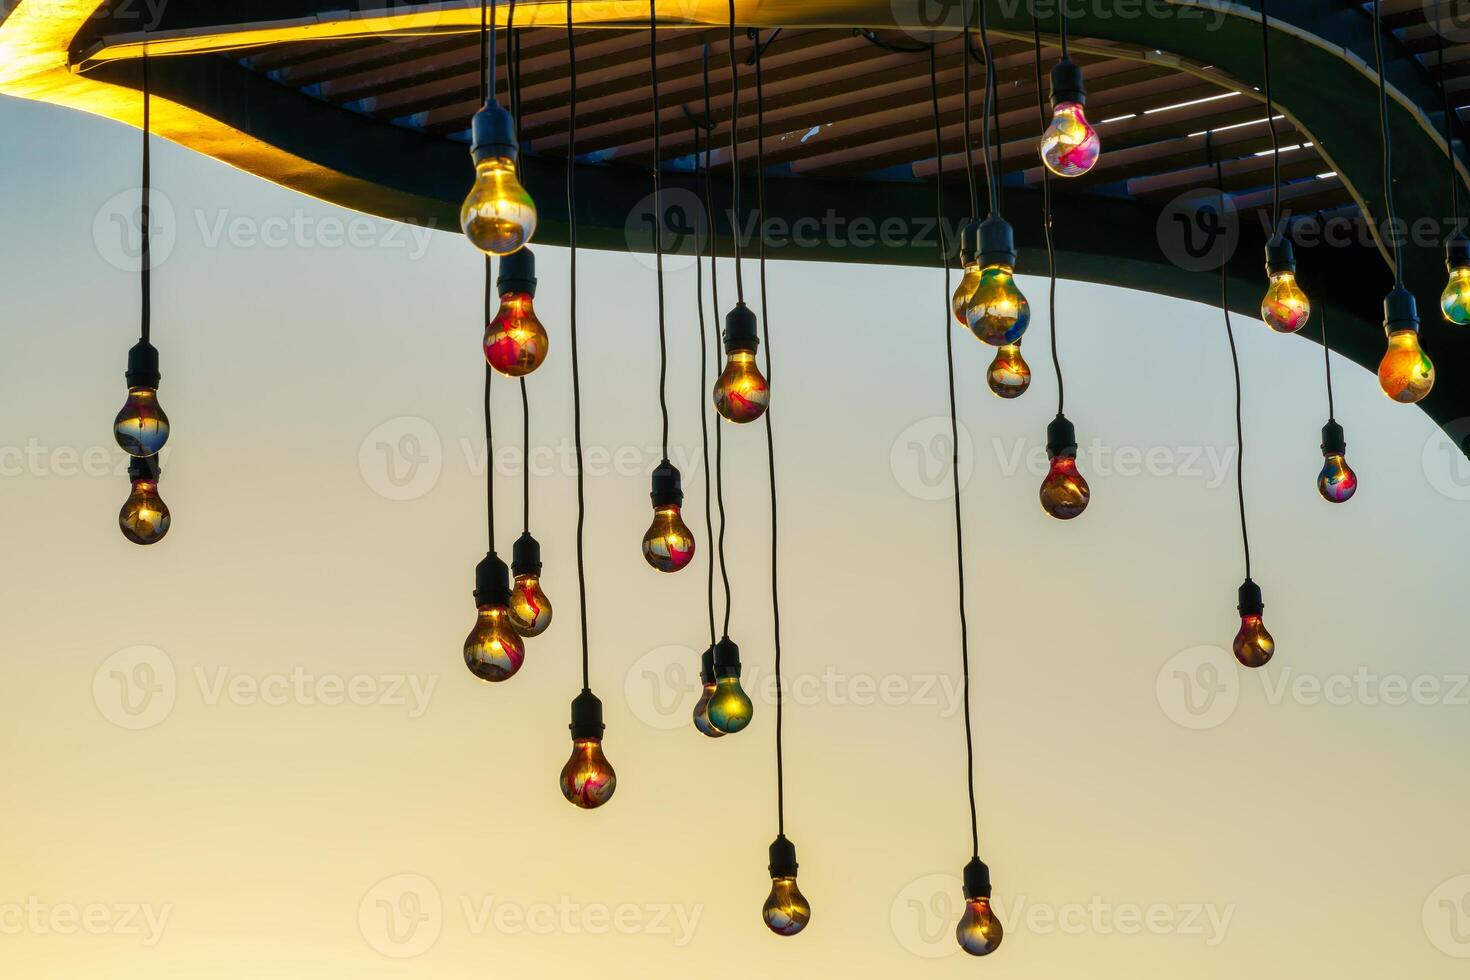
(683, 221)
(922, 456)
(391, 16)
(1450, 18)
(662, 686)
(136, 687)
(929, 20)
(1446, 466)
(402, 458)
(117, 229)
(132, 920)
(1199, 688)
(1446, 917)
(924, 913)
(401, 916)
(1199, 230)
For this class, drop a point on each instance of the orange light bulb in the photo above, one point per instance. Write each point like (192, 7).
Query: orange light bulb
(1285, 308)
(786, 910)
(144, 517)
(741, 392)
(1009, 374)
(979, 931)
(668, 546)
(493, 651)
(1064, 493)
(515, 341)
(1253, 645)
(1406, 374)
(530, 610)
(587, 780)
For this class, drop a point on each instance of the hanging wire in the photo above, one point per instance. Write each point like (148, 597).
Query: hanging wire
(1326, 346)
(1395, 240)
(572, 322)
(1449, 118)
(145, 210)
(701, 146)
(489, 432)
(513, 59)
(969, 132)
(1271, 121)
(714, 289)
(734, 172)
(991, 110)
(760, 194)
(658, 224)
(1235, 362)
(954, 433)
(1046, 219)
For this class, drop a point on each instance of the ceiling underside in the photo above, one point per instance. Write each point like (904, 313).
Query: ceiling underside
(370, 108)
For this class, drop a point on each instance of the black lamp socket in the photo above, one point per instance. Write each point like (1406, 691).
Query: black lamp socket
(517, 273)
(143, 366)
(1456, 251)
(742, 332)
(668, 490)
(492, 582)
(525, 555)
(1279, 256)
(1066, 84)
(970, 243)
(586, 716)
(143, 468)
(783, 858)
(727, 658)
(1250, 600)
(492, 133)
(1334, 442)
(1400, 312)
(1061, 438)
(977, 880)
(997, 242)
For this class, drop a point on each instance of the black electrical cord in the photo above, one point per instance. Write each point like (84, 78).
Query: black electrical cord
(714, 288)
(489, 432)
(572, 323)
(969, 131)
(1235, 362)
(658, 224)
(1046, 219)
(1271, 121)
(704, 379)
(734, 171)
(1449, 118)
(991, 110)
(144, 211)
(760, 194)
(1062, 31)
(513, 58)
(954, 427)
(1395, 240)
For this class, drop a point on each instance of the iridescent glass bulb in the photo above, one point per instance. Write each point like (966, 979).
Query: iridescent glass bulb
(969, 281)
(144, 516)
(669, 544)
(141, 427)
(515, 341)
(1406, 374)
(530, 610)
(730, 708)
(1009, 374)
(588, 780)
(741, 392)
(1064, 493)
(493, 651)
(1454, 302)
(979, 931)
(1285, 307)
(706, 693)
(1253, 645)
(1070, 146)
(1337, 482)
(996, 312)
(498, 216)
(786, 911)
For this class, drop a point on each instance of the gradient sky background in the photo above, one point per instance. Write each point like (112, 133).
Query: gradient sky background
(173, 748)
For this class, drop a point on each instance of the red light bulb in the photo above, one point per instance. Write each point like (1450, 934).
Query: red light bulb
(1064, 493)
(1253, 645)
(668, 545)
(515, 341)
(587, 780)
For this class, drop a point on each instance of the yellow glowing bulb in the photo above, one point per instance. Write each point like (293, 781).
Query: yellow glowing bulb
(1406, 374)
(668, 544)
(493, 651)
(1253, 645)
(1454, 302)
(996, 311)
(786, 910)
(1009, 375)
(1285, 307)
(979, 931)
(741, 393)
(498, 216)
(530, 610)
(962, 293)
(588, 779)
(144, 517)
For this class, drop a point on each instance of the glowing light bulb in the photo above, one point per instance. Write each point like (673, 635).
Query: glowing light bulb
(530, 610)
(996, 312)
(730, 708)
(668, 546)
(1285, 307)
(786, 910)
(707, 691)
(1064, 493)
(970, 263)
(1009, 375)
(741, 393)
(587, 780)
(1454, 302)
(144, 517)
(141, 427)
(1406, 374)
(979, 931)
(1253, 645)
(515, 341)
(1069, 146)
(493, 651)
(498, 216)
(1337, 482)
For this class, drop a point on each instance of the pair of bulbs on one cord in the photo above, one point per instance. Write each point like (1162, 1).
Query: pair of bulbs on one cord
(497, 216)
(723, 707)
(988, 301)
(141, 429)
(506, 612)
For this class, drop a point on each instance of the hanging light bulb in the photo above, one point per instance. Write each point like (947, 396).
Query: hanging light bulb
(493, 651)
(669, 544)
(1406, 374)
(786, 911)
(1070, 146)
(515, 340)
(1253, 646)
(141, 427)
(530, 610)
(707, 691)
(1454, 302)
(970, 264)
(1285, 308)
(1009, 375)
(996, 312)
(741, 392)
(979, 931)
(144, 516)
(729, 708)
(498, 216)
(1337, 482)
(587, 780)
(1064, 493)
